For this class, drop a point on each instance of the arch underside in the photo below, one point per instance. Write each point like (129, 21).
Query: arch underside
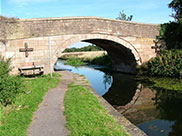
(123, 54)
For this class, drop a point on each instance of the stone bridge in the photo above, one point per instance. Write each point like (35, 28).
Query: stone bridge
(128, 43)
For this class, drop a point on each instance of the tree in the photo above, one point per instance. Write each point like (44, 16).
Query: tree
(176, 5)
(171, 33)
(122, 16)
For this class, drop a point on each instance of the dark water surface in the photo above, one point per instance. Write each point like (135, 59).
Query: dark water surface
(156, 112)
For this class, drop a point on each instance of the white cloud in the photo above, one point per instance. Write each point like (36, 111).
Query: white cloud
(27, 2)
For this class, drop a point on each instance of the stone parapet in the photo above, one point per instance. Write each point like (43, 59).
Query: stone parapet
(128, 43)
(41, 27)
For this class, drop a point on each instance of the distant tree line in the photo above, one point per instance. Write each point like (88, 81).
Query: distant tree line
(86, 48)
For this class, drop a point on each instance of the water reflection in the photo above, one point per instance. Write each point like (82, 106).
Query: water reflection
(157, 112)
(157, 128)
(122, 90)
(107, 79)
(169, 103)
(99, 80)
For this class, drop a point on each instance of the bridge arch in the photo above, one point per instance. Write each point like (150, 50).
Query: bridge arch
(124, 55)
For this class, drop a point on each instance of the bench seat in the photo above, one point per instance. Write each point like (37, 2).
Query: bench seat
(31, 69)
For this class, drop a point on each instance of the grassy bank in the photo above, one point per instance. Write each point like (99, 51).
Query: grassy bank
(86, 116)
(75, 62)
(104, 60)
(162, 83)
(16, 118)
(167, 83)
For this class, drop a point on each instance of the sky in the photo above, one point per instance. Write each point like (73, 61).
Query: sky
(145, 11)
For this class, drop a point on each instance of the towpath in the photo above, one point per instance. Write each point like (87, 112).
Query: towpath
(49, 119)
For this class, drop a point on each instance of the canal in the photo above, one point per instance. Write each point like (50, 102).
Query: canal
(155, 111)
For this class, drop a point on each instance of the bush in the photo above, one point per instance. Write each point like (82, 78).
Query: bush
(4, 67)
(168, 64)
(171, 34)
(74, 62)
(104, 60)
(10, 86)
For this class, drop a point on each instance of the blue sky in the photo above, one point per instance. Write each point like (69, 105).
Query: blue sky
(147, 11)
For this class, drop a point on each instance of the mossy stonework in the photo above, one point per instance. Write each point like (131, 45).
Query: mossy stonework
(128, 43)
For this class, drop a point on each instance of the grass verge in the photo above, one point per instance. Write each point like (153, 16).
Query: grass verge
(167, 83)
(104, 60)
(163, 83)
(86, 116)
(75, 62)
(16, 118)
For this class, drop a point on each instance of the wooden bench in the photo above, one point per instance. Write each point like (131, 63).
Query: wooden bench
(31, 69)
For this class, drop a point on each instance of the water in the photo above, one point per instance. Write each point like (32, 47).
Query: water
(156, 112)
(99, 80)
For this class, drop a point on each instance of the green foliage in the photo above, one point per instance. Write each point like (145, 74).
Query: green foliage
(171, 34)
(168, 64)
(4, 66)
(176, 5)
(123, 16)
(16, 118)
(167, 83)
(74, 62)
(86, 116)
(87, 48)
(104, 60)
(10, 86)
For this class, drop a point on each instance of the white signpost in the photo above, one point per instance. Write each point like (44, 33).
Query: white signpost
(50, 57)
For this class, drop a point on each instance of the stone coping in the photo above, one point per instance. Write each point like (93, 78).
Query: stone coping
(84, 17)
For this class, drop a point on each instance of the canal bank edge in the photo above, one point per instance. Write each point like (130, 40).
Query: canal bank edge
(130, 128)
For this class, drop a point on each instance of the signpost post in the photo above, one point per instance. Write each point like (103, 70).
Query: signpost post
(50, 57)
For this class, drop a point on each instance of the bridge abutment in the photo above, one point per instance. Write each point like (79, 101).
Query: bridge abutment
(128, 43)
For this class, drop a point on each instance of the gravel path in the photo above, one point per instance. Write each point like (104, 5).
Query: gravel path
(49, 119)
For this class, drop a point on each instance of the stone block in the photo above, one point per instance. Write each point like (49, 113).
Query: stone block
(137, 37)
